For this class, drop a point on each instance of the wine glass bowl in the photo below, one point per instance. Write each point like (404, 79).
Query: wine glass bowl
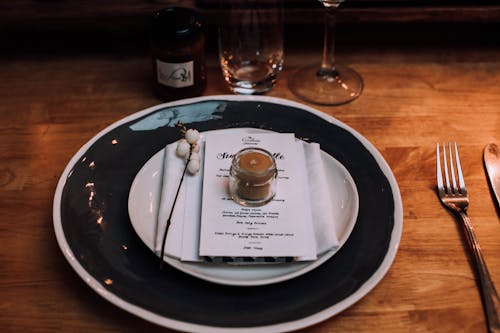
(327, 83)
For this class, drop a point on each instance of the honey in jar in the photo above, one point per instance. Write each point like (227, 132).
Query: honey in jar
(178, 53)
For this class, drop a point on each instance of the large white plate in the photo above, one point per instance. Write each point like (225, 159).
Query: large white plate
(144, 200)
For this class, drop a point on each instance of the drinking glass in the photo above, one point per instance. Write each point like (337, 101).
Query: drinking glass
(251, 45)
(327, 83)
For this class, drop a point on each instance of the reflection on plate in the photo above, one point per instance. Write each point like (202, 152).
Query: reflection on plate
(143, 207)
(95, 234)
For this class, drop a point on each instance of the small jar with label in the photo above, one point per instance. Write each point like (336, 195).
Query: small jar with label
(252, 177)
(178, 53)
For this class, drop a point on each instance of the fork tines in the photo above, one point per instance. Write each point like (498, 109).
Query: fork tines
(451, 168)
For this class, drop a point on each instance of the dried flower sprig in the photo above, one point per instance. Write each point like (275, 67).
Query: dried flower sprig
(189, 149)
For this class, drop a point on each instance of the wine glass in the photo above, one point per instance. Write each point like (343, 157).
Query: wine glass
(328, 83)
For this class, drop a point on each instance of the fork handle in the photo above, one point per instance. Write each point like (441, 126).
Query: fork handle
(491, 301)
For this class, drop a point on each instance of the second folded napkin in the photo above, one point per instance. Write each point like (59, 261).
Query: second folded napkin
(183, 236)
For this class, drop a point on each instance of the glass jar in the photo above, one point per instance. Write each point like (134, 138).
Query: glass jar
(178, 53)
(252, 177)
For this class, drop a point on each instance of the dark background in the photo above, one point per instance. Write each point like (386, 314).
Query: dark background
(93, 25)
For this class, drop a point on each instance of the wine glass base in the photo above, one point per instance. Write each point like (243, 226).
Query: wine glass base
(339, 87)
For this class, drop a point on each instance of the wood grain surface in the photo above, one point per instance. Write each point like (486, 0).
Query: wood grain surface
(414, 96)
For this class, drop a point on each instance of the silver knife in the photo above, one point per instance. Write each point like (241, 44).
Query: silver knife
(492, 163)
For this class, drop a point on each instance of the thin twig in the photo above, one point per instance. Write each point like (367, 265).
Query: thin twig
(171, 212)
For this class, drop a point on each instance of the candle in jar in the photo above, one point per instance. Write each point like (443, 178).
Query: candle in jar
(256, 164)
(252, 179)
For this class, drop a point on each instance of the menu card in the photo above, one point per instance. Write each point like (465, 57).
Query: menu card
(280, 228)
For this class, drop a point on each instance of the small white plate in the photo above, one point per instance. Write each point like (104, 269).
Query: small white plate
(144, 200)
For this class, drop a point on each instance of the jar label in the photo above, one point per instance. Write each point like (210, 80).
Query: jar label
(176, 75)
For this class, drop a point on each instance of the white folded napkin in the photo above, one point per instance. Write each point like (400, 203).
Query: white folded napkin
(183, 236)
(319, 195)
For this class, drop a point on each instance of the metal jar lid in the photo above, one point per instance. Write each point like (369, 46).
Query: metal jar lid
(174, 23)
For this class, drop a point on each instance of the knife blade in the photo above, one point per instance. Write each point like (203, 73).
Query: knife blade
(491, 157)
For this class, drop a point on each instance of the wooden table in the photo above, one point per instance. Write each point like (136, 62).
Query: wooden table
(414, 96)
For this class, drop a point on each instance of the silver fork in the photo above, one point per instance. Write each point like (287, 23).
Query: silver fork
(454, 196)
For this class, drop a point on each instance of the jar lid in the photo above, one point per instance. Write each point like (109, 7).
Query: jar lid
(174, 23)
(254, 165)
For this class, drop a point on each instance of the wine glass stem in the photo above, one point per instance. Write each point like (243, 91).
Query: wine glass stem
(328, 62)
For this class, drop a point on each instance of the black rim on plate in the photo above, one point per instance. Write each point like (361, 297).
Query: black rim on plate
(96, 226)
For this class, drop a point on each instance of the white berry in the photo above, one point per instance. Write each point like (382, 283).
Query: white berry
(183, 148)
(193, 156)
(195, 148)
(193, 166)
(192, 136)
